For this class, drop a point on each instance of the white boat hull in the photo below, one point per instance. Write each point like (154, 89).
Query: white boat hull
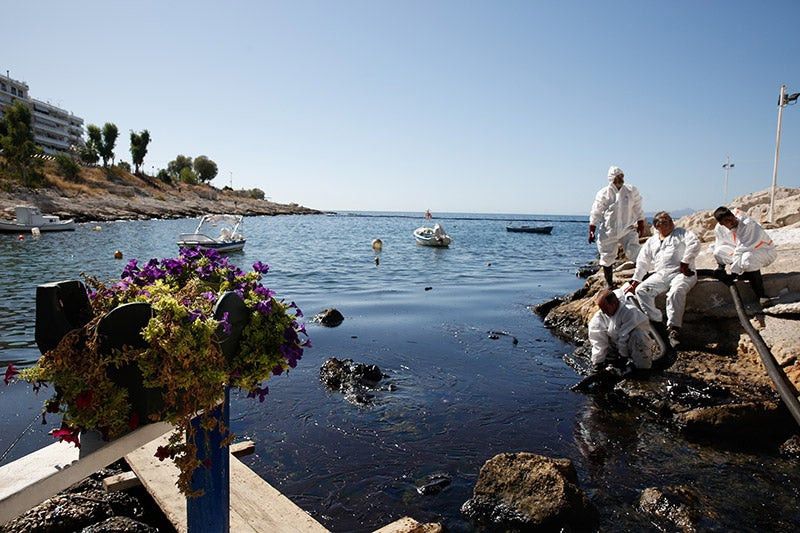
(429, 237)
(30, 217)
(229, 240)
(205, 242)
(7, 226)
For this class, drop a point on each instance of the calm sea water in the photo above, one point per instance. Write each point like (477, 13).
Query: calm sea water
(454, 396)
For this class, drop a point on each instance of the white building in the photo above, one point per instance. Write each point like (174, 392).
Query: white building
(54, 129)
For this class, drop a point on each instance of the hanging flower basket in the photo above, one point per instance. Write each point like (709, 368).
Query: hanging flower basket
(175, 333)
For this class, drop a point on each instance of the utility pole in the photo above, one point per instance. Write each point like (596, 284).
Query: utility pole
(783, 101)
(727, 166)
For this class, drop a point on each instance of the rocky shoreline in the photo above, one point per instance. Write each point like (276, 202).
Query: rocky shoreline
(113, 194)
(715, 384)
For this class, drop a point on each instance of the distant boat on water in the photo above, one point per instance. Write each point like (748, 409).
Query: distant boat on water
(29, 217)
(530, 229)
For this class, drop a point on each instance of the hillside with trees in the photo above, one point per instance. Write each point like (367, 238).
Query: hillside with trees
(74, 186)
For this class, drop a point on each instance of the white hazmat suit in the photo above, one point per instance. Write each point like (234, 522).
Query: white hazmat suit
(663, 257)
(746, 248)
(626, 332)
(615, 213)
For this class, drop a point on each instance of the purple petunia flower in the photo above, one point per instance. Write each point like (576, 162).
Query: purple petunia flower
(263, 291)
(194, 315)
(260, 267)
(264, 307)
(130, 269)
(260, 392)
(226, 326)
(205, 272)
(210, 296)
(173, 267)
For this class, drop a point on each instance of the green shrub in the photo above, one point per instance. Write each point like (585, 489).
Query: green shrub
(68, 167)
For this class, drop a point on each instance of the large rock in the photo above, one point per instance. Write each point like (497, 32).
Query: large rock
(673, 508)
(530, 492)
(330, 317)
(354, 380)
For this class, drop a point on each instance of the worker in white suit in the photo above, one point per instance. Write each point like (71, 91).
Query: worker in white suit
(671, 254)
(619, 328)
(616, 218)
(743, 244)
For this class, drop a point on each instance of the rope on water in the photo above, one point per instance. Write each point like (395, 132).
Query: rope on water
(19, 437)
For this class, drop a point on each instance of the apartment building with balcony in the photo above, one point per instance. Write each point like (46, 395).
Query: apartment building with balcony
(56, 130)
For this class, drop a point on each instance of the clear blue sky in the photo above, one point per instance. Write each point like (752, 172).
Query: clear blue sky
(468, 106)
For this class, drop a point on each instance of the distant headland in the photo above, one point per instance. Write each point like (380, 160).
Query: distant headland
(103, 194)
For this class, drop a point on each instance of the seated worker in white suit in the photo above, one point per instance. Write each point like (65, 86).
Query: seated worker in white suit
(670, 253)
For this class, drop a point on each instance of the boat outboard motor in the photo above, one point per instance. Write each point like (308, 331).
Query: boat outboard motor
(61, 306)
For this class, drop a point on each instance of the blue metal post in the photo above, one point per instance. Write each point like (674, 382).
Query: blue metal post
(210, 513)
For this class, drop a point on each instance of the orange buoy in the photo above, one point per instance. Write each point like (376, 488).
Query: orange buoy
(21, 238)
(117, 255)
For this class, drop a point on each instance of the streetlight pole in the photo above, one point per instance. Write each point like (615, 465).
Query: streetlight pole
(727, 166)
(783, 101)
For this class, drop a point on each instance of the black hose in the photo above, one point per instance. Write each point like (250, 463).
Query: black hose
(785, 387)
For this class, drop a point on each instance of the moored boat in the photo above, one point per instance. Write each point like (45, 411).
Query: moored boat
(230, 238)
(435, 236)
(530, 229)
(29, 217)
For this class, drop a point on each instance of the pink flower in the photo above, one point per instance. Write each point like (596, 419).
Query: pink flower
(67, 435)
(11, 371)
(84, 399)
(164, 452)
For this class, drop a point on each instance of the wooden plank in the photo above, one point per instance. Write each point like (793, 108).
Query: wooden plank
(255, 505)
(123, 481)
(40, 475)
(404, 525)
(243, 448)
(127, 480)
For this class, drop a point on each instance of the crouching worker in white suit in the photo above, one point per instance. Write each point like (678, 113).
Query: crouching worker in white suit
(743, 244)
(670, 253)
(619, 329)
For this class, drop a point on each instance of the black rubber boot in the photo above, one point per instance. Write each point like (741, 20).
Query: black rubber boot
(756, 282)
(608, 273)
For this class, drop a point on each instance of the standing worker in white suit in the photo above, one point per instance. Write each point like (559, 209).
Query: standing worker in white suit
(616, 218)
(670, 254)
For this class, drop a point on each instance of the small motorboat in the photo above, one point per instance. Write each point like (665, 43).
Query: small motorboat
(434, 236)
(230, 239)
(30, 218)
(530, 229)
